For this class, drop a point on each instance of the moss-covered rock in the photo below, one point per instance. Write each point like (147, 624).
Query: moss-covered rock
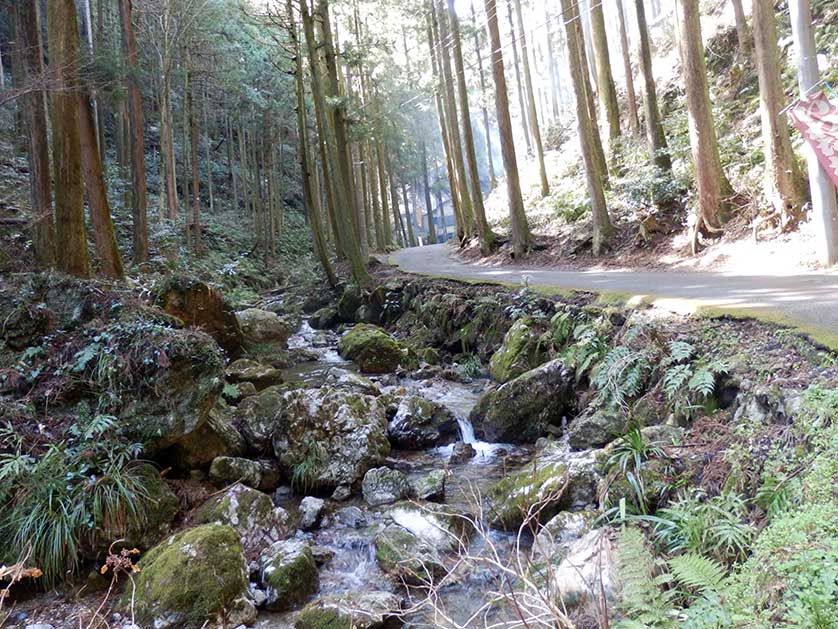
(217, 436)
(596, 429)
(363, 610)
(192, 578)
(250, 512)
(522, 409)
(226, 470)
(263, 327)
(520, 351)
(372, 349)
(431, 486)
(420, 423)
(288, 573)
(326, 317)
(247, 370)
(538, 490)
(348, 303)
(404, 555)
(258, 415)
(198, 305)
(328, 437)
(383, 485)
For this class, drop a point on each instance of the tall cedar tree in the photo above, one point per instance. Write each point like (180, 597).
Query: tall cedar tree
(605, 80)
(521, 238)
(631, 96)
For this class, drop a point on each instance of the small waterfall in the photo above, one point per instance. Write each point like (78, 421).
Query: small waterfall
(466, 429)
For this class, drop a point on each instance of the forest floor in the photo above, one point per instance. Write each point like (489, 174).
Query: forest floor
(807, 302)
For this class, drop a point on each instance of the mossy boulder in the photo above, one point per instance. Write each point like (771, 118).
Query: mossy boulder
(192, 579)
(523, 409)
(431, 486)
(198, 305)
(330, 436)
(257, 417)
(361, 610)
(520, 351)
(538, 490)
(383, 485)
(420, 423)
(288, 573)
(326, 317)
(226, 470)
(261, 327)
(258, 373)
(348, 303)
(250, 512)
(215, 437)
(596, 429)
(372, 349)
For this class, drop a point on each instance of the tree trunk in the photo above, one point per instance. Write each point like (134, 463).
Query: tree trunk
(97, 193)
(411, 236)
(372, 171)
(493, 182)
(824, 209)
(590, 102)
(520, 229)
(713, 187)
(310, 194)
(785, 187)
(139, 196)
(429, 209)
(193, 151)
(654, 128)
(631, 97)
(518, 82)
(167, 148)
(466, 207)
(552, 66)
(62, 33)
(605, 80)
(535, 132)
(385, 204)
(43, 227)
(743, 36)
(484, 232)
(603, 231)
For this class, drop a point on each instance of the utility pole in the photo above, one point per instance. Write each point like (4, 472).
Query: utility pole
(823, 192)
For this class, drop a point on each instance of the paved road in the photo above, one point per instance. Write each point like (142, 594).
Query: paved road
(808, 302)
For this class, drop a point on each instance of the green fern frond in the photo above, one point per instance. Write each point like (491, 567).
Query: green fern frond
(697, 573)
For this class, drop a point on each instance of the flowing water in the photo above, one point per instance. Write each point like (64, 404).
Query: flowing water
(353, 567)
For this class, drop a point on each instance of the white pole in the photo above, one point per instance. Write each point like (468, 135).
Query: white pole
(823, 192)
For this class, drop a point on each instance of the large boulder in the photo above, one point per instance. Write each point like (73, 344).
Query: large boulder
(372, 349)
(190, 579)
(226, 470)
(260, 327)
(586, 573)
(197, 305)
(535, 492)
(257, 417)
(354, 610)
(383, 485)
(250, 512)
(348, 303)
(596, 429)
(420, 423)
(520, 351)
(324, 318)
(328, 437)
(162, 506)
(288, 573)
(215, 437)
(555, 538)
(431, 486)
(253, 371)
(522, 409)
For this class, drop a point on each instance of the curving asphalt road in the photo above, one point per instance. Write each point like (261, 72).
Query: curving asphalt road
(808, 302)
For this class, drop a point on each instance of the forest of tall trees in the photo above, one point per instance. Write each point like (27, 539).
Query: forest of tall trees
(190, 105)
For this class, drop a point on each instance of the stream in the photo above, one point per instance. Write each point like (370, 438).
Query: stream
(349, 527)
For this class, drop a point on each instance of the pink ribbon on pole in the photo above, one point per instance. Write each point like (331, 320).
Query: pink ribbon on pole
(817, 120)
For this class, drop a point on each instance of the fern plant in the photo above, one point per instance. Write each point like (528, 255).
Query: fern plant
(587, 346)
(687, 382)
(644, 601)
(622, 375)
(697, 573)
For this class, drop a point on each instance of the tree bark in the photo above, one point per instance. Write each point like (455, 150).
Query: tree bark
(743, 36)
(785, 187)
(493, 182)
(520, 229)
(590, 102)
(535, 131)
(194, 156)
(139, 196)
(518, 82)
(603, 231)
(484, 232)
(43, 227)
(631, 96)
(429, 207)
(607, 91)
(714, 190)
(654, 128)
(62, 29)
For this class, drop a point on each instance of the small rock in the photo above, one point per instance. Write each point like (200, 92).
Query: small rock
(311, 510)
(259, 374)
(322, 554)
(40, 625)
(351, 517)
(262, 326)
(365, 610)
(259, 595)
(288, 573)
(226, 470)
(283, 493)
(431, 487)
(341, 493)
(271, 474)
(461, 453)
(383, 486)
